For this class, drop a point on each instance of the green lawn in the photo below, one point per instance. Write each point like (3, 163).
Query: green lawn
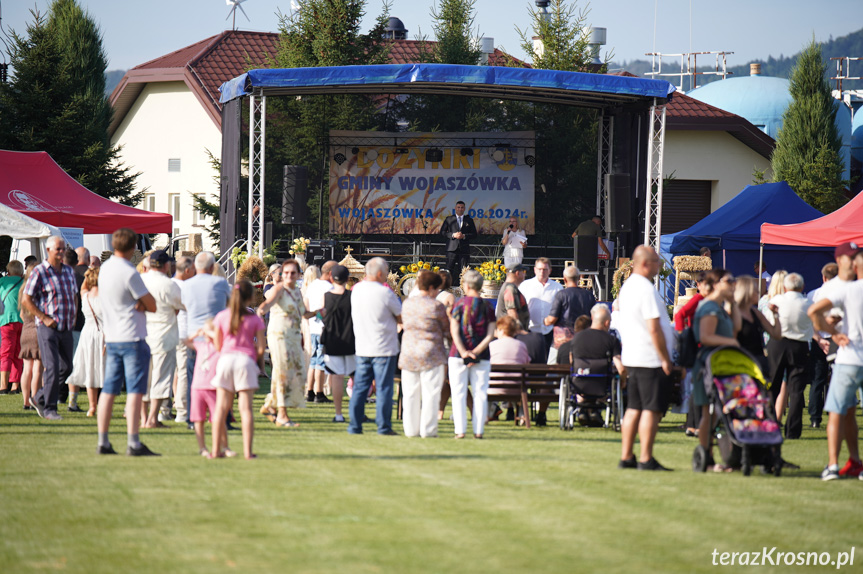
(319, 500)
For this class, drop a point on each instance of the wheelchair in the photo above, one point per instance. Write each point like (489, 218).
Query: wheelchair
(601, 401)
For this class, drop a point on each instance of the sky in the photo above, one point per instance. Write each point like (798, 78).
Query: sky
(138, 31)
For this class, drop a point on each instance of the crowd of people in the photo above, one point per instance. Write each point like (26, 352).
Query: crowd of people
(177, 336)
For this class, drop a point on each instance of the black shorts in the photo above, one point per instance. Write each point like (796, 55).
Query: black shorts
(647, 389)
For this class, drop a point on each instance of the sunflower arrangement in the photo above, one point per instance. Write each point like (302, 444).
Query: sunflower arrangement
(298, 246)
(417, 267)
(492, 270)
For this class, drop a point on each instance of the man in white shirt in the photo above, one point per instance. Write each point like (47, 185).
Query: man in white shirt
(185, 270)
(539, 292)
(847, 375)
(819, 346)
(789, 367)
(646, 337)
(317, 368)
(376, 313)
(124, 299)
(163, 334)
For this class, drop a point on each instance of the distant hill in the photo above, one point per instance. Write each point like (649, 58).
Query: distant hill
(112, 78)
(850, 45)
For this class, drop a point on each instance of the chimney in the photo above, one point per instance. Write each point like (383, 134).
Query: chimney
(595, 39)
(542, 11)
(486, 46)
(754, 69)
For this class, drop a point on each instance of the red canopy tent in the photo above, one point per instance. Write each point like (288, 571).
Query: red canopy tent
(844, 224)
(33, 184)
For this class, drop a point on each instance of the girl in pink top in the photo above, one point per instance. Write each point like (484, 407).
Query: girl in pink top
(240, 340)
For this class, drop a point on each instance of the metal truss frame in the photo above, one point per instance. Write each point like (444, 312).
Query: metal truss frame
(605, 145)
(655, 147)
(257, 140)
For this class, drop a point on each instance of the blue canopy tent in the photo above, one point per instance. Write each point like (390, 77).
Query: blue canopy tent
(733, 234)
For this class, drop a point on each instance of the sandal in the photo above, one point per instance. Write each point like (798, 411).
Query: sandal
(228, 453)
(458, 436)
(286, 424)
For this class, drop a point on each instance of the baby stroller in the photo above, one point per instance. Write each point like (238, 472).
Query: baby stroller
(747, 430)
(597, 383)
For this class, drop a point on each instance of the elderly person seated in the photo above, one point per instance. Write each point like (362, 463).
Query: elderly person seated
(591, 348)
(793, 352)
(507, 350)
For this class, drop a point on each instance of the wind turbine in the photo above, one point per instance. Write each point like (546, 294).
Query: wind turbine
(234, 4)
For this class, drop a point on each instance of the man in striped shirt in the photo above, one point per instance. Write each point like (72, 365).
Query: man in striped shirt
(50, 296)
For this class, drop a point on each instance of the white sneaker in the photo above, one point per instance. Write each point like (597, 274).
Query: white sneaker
(830, 473)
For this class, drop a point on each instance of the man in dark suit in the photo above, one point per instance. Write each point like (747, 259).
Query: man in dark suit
(458, 229)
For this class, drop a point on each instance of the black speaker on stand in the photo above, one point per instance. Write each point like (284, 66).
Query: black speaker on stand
(618, 216)
(295, 194)
(585, 253)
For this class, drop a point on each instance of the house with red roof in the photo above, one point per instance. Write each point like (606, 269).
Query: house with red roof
(710, 155)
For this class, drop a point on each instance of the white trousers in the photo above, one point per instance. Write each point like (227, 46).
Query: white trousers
(421, 391)
(181, 400)
(459, 376)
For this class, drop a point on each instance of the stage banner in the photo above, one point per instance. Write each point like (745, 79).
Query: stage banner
(409, 182)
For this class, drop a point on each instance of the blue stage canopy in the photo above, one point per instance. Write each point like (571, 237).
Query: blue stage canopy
(527, 84)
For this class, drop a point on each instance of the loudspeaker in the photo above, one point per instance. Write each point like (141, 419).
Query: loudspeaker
(319, 252)
(617, 205)
(295, 194)
(585, 256)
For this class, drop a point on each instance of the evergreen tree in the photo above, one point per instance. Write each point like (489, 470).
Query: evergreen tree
(565, 135)
(808, 145)
(320, 33)
(55, 100)
(456, 42)
(563, 36)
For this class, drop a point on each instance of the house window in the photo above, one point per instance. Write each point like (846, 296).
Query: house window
(149, 202)
(174, 205)
(174, 165)
(198, 217)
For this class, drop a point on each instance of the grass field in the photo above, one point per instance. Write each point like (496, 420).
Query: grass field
(319, 500)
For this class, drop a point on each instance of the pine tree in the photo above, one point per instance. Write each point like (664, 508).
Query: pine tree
(455, 42)
(808, 145)
(55, 101)
(320, 33)
(565, 135)
(564, 41)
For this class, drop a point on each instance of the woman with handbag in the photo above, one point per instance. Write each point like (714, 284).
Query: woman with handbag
(89, 361)
(10, 329)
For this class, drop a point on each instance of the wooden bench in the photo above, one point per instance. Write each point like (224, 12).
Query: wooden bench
(526, 384)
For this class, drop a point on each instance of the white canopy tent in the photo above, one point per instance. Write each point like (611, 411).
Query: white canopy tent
(25, 230)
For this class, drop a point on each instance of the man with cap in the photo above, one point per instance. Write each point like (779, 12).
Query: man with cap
(163, 333)
(511, 301)
(846, 294)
